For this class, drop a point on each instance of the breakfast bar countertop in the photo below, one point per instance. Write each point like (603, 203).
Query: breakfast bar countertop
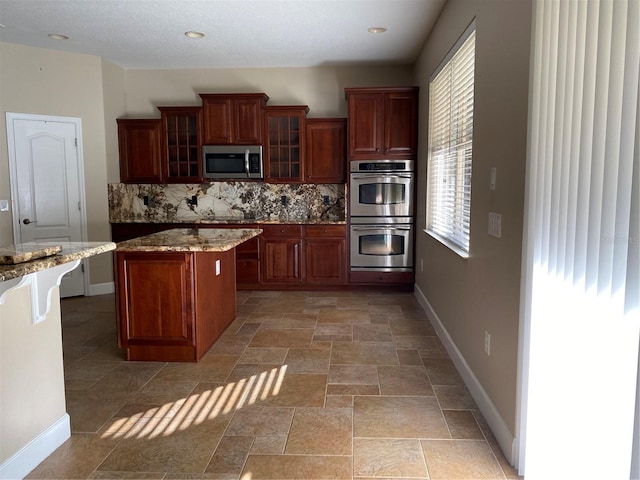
(70, 251)
(190, 240)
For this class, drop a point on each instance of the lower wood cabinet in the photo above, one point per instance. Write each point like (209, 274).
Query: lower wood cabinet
(326, 254)
(304, 254)
(172, 306)
(281, 254)
(287, 255)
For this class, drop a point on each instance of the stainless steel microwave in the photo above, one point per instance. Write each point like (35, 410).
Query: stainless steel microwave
(232, 162)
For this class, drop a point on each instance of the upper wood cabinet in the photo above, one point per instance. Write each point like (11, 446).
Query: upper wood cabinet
(325, 150)
(382, 123)
(233, 118)
(139, 148)
(284, 150)
(181, 144)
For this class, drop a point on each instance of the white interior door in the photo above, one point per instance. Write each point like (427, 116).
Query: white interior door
(46, 185)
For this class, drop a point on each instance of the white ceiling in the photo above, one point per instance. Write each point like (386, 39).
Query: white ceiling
(149, 34)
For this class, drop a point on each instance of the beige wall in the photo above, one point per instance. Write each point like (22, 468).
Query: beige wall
(483, 292)
(32, 388)
(49, 82)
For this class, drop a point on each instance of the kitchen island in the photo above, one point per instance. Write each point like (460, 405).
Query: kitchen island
(33, 418)
(176, 291)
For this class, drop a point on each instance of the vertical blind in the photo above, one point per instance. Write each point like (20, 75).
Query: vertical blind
(581, 268)
(450, 147)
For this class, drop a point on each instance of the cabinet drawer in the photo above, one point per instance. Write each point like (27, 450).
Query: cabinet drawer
(282, 231)
(326, 231)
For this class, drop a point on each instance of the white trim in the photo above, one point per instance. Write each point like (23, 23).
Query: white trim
(101, 288)
(13, 175)
(499, 428)
(32, 454)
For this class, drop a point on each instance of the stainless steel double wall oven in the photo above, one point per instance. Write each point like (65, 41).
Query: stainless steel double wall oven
(381, 215)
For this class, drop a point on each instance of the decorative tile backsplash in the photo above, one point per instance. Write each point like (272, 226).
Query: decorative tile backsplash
(224, 200)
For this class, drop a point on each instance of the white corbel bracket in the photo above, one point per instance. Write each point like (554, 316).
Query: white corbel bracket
(42, 284)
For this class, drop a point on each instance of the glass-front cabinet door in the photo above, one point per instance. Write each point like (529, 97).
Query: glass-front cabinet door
(181, 143)
(284, 152)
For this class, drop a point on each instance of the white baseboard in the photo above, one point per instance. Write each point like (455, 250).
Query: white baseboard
(32, 454)
(499, 428)
(101, 289)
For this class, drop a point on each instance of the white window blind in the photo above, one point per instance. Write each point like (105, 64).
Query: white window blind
(450, 147)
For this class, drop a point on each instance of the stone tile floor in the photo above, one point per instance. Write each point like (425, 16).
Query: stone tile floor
(303, 385)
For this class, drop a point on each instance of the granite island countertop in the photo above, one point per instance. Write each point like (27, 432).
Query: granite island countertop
(70, 251)
(190, 240)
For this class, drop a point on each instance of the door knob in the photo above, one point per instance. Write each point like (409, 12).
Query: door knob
(26, 221)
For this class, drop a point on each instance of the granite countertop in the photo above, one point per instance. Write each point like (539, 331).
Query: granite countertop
(190, 240)
(70, 251)
(247, 221)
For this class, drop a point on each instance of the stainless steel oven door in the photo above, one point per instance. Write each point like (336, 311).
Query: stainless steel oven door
(382, 248)
(381, 194)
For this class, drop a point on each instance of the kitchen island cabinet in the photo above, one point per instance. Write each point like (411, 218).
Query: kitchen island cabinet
(176, 292)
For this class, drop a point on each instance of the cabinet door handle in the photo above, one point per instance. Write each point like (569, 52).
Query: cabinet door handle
(295, 260)
(246, 162)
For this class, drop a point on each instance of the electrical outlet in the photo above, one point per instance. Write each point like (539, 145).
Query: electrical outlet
(495, 224)
(4, 205)
(145, 200)
(194, 200)
(283, 199)
(326, 200)
(487, 342)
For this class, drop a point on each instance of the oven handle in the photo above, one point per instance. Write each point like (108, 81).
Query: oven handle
(379, 227)
(380, 175)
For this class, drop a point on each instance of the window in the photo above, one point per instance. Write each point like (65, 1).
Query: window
(450, 146)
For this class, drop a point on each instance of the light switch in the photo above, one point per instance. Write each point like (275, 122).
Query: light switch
(4, 205)
(495, 224)
(492, 181)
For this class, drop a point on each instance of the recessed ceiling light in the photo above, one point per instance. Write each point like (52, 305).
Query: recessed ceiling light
(58, 36)
(192, 34)
(376, 30)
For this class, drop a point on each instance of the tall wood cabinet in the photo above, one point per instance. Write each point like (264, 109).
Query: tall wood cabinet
(383, 123)
(233, 118)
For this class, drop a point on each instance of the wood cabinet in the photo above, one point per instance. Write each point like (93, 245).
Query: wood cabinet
(172, 306)
(139, 149)
(382, 123)
(325, 250)
(287, 255)
(233, 118)
(181, 144)
(285, 143)
(281, 254)
(325, 150)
